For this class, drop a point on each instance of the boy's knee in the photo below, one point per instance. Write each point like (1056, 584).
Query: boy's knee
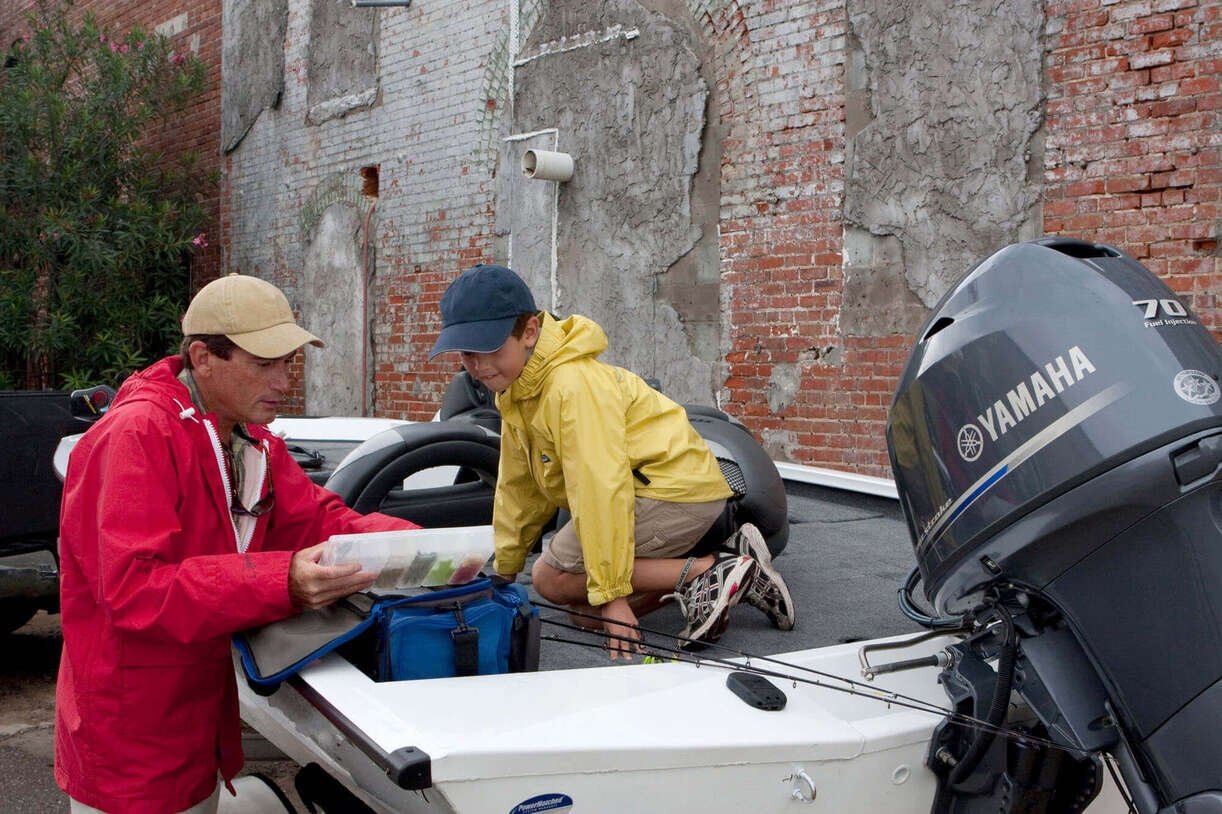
(555, 585)
(544, 579)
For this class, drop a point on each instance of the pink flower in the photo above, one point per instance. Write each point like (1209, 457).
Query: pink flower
(177, 59)
(201, 240)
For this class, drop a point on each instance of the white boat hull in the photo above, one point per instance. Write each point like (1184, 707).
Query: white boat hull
(651, 737)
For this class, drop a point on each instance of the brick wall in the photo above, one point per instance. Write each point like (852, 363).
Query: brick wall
(782, 190)
(1131, 157)
(1134, 145)
(1133, 133)
(433, 215)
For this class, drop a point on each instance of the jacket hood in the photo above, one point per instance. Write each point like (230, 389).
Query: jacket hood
(157, 384)
(560, 341)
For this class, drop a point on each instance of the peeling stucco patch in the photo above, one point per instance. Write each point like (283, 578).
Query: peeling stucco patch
(334, 311)
(781, 445)
(631, 111)
(826, 356)
(783, 385)
(877, 300)
(252, 64)
(944, 113)
(342, 105)
(343, 60)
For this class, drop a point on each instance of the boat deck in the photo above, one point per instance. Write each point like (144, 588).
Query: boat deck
(848, 553)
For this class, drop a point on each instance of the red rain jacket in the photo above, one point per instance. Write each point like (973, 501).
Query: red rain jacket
(152, 584)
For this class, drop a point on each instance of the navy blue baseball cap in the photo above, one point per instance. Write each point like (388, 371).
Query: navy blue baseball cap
(479, 309)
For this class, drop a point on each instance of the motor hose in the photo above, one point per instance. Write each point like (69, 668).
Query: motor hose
(909, 608)
(1006, 659)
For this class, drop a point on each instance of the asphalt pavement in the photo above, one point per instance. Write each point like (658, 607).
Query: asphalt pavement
(847, 555)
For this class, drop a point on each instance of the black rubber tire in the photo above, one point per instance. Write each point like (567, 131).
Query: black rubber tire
(468, 455)
(14, 615)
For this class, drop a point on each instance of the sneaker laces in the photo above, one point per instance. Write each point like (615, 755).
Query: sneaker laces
(765, 592)
(699, 598)
(692, 595)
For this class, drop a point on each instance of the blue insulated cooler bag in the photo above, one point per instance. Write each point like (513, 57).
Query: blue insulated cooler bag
(468, 630)
(478, 628)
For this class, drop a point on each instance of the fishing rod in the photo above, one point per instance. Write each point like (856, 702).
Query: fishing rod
(865, 688)
(854, 687)
(888, 697)
(678, 656)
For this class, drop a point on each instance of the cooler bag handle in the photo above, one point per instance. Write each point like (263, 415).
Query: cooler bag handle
(466, 645)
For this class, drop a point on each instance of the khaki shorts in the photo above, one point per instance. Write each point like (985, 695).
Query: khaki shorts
(209, 806)
(663, 530)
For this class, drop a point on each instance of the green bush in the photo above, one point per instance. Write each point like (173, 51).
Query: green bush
(96, 227)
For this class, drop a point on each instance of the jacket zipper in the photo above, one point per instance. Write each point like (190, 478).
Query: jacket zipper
(530, 458)
(242, 541)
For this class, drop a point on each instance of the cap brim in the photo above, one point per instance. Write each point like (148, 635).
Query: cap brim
(474, 337)
(276, 341)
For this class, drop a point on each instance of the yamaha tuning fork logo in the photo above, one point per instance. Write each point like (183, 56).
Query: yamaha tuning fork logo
(971, 442)
(1022, 400)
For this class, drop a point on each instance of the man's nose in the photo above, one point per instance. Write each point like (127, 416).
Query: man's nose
(280, 378)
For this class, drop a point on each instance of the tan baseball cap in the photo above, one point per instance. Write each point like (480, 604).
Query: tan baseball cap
(253, 313)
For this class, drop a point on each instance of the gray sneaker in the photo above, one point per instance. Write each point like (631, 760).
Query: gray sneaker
(768, 590)
(706, 601)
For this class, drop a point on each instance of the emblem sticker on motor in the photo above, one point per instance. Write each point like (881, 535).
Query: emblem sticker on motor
(556, 803)
(1196, 387)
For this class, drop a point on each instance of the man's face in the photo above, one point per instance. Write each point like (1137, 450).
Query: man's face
(498, 369)
(242, 388)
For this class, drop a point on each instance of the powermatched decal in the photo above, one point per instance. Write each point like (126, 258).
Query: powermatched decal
(555, 803)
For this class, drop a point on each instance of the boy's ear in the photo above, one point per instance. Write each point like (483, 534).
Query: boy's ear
(531, 334)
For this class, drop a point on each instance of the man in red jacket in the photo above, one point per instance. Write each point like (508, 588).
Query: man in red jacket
(183, 521)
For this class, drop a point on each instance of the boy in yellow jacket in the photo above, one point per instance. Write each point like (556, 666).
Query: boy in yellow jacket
(639, 482)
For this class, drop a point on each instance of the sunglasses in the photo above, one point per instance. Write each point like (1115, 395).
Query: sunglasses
(262, 507)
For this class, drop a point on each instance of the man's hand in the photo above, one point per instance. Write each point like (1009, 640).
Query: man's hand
(314, 586)
(620, 625)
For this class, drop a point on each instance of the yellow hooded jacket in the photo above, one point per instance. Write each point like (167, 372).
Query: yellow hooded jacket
(573, 431)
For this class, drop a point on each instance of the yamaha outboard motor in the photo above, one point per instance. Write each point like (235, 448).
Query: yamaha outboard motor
(1056, 440)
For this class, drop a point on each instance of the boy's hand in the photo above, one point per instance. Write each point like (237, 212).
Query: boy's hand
(620, 625)
(312, 585)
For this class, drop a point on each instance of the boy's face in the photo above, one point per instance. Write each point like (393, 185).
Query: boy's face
(500, 368)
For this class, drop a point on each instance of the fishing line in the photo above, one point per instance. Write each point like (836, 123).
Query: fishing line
(1109, 760)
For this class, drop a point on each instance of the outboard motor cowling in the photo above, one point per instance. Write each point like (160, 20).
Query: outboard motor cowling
(1056, 440)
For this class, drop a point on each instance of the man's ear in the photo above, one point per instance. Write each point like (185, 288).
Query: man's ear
(200, 357)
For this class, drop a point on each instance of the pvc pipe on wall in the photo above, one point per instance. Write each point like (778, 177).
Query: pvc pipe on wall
(546, 165)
